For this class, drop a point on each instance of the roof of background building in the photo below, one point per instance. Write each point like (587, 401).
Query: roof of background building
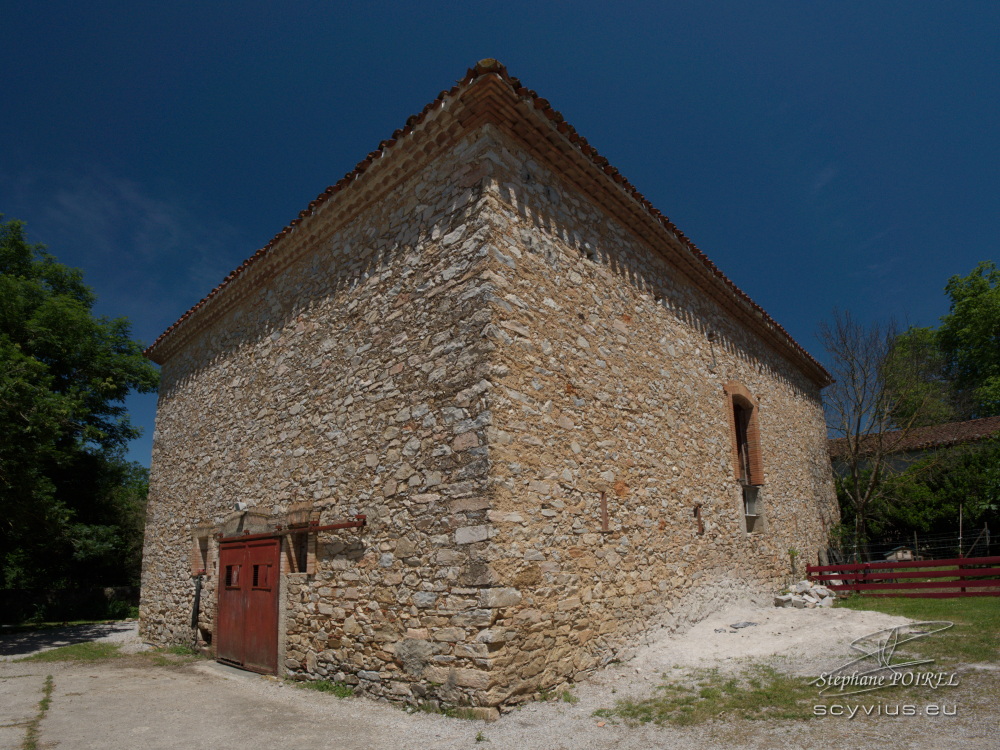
(492, 68)
(925, 438)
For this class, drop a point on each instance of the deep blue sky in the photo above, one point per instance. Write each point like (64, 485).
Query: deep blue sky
(823, 155)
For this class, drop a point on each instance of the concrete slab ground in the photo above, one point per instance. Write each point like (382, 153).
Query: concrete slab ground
(20, 691)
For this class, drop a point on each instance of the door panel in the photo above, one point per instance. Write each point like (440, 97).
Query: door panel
(232, 560)
(261, 622)
(248, 604)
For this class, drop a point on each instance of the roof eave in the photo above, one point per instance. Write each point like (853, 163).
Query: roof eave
(485, 89)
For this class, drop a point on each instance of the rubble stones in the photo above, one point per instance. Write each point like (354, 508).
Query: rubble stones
(805, 595)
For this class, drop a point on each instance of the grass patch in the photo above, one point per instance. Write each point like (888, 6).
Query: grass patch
(453, 712)
(759, 692)
(171, 656)
(31, 732)
(975, 637)
(339, 689)
(89, 651)
(545, 695)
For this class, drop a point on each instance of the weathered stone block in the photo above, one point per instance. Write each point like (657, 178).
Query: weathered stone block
(472, 534)
(450, 635)
(424, 599)
(413, 654)
(499, 597)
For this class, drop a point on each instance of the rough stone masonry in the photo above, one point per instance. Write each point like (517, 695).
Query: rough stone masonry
(486, 341)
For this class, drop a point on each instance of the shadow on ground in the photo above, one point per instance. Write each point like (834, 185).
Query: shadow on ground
(14, 645)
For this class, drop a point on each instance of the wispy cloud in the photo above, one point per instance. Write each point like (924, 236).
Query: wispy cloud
(873, 240)
(824, 177)
(881, 269)
(148, 255)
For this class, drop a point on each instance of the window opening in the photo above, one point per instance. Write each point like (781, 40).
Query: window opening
(750, 510)
(232, 575)
(741, 420)
(199, 555)
(300, 552)
(748, 466)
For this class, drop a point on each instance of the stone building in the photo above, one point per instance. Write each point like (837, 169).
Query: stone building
(564, 426)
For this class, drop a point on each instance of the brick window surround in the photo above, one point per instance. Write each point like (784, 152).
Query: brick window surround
(738, 398)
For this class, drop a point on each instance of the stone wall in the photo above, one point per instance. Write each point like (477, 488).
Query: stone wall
(473, 360)
(605, 382)
(347, 382)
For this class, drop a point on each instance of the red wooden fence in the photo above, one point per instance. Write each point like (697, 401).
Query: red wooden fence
(966, 576)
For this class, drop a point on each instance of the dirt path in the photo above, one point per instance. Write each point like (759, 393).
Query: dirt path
(130, 703)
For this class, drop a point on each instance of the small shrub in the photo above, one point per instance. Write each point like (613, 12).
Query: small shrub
(119, 610)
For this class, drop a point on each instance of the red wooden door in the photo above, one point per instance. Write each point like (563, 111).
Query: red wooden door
(248, 604)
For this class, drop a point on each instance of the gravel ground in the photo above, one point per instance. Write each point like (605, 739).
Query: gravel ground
(128, 703)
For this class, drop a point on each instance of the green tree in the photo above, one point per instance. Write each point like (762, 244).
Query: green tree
(969, 339)
(67, 496)
(915, 371)
(874, 403)
(931, 493)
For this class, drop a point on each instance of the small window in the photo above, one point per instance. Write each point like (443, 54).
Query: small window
(300, 546)
(232, 576)
(199, 555)
(741, 421)
(748, 465)
(744, 423)
(300, 554)
(751, 511)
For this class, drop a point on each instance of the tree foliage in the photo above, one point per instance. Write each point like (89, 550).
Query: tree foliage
(954, 369)
(933, 491)
(872, 405)
(915, 372)
(889, 383)
(68, 499)
(969, 340)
